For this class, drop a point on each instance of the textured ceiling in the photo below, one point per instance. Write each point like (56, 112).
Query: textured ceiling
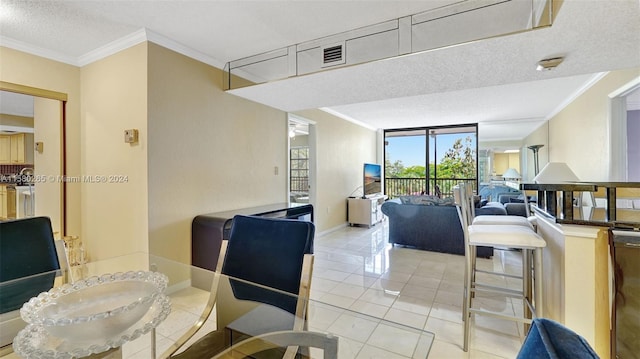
(491, 81)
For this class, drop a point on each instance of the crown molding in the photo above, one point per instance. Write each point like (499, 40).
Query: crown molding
(143, 35)
(38, 51)
(587, 85)
(626, 88)
(113, 47)
(347, 118)
(182, 49)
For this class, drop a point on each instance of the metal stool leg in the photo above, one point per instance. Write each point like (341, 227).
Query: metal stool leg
(467, 299)
(526, 286)
(537, 257)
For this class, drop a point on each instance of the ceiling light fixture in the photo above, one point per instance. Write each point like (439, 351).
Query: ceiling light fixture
(549, 64)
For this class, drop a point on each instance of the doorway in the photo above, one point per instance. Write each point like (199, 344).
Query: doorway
(43, 161)
(302, 160)
(633, 133)
(624, 130)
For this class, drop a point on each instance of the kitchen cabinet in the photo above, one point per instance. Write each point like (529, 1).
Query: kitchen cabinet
(7, 202)
(16, 149)
(5, 149)
(3, 202)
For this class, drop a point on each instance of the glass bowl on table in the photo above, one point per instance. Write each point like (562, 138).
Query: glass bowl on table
(96, 308)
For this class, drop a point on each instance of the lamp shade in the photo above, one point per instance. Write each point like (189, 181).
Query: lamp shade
(511, 173)
(555, 172)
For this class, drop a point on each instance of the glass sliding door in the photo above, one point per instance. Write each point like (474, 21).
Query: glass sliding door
(430, 160)
(405, 158)
(452, 158)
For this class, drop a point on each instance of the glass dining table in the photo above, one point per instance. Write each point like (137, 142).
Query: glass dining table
(162, 311)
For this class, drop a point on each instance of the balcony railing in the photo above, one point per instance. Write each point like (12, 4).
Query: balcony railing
(395, 187)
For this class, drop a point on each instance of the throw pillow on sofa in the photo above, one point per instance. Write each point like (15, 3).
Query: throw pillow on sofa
(427, 200)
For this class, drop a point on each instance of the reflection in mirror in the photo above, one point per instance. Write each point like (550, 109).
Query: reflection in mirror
(504, 145)
(299, 154)
(632, 101)
(31, 180)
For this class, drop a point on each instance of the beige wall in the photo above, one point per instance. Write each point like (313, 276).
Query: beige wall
(504, 161)
(208, 151)
(114, 98)
(579, 136)
(48, 199)
(200, 150)
(575, 282)
(342, 149)
(28, 70)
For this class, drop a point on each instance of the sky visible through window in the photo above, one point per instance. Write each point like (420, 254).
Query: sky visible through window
(411, 149)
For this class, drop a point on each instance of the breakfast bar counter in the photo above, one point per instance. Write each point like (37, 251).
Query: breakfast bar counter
(578, 280)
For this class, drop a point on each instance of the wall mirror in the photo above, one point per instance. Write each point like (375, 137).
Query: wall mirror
(32, 154)
(504, 145)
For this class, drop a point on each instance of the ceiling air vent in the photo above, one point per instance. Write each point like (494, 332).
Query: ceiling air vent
(333, 54)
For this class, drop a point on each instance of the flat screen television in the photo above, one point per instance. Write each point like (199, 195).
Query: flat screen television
(372, 179)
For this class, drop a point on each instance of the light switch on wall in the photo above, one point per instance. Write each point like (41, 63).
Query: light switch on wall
(131, 136)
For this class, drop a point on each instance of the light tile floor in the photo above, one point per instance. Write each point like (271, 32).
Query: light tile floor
(356, 268)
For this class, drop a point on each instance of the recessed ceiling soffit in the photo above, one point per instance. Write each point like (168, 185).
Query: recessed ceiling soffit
(457, 22)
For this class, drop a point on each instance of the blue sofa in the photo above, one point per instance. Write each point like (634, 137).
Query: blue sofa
(432, 227)
(512, 199)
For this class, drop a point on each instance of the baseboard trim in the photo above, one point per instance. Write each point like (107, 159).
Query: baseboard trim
(331, 230)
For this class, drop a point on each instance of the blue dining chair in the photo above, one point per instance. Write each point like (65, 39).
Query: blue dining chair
(548, 339)
(27, 248)
(272, 252)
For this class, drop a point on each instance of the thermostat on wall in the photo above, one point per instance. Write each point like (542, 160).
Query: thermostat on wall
(131, 136)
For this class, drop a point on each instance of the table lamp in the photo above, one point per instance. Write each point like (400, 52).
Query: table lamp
(556, 172)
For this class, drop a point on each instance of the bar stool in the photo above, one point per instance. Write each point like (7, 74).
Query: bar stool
(506, 236)
(501, 220)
